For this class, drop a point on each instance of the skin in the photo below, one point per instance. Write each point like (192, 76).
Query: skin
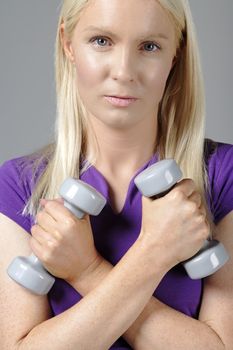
(122, 64)
(63, 242)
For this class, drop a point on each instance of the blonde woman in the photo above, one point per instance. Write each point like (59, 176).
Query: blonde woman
(129, 93)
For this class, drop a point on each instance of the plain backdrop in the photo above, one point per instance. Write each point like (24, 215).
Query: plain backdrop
(27, 87)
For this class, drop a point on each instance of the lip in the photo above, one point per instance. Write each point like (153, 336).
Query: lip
(121, 101)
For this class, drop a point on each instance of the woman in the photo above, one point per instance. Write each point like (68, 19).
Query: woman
(129, 93)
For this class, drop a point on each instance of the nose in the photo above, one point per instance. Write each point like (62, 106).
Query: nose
(123, 66)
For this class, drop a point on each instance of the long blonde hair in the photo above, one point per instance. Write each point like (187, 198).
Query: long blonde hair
(181, 117)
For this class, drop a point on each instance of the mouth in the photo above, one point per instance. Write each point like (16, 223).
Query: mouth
(121, 101)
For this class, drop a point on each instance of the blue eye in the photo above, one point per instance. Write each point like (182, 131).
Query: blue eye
(152, 46)
(99, 41)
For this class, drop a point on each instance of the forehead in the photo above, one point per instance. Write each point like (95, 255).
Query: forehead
(126, 15)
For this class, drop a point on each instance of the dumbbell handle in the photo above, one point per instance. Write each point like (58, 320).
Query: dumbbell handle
(34, 260)
(75, 210)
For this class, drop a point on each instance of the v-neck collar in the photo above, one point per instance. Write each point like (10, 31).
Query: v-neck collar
(96, 179)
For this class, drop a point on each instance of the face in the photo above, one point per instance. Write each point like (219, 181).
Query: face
(122, 49)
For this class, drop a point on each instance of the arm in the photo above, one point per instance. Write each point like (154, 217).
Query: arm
(161, 326)
(26, 317)
(213, 330)
(110, 304)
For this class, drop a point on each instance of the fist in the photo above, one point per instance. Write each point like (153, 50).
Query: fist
(175, 223)
(63, 243)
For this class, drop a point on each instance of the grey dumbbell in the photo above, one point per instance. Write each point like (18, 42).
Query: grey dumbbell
(156, 181)
(80, 198)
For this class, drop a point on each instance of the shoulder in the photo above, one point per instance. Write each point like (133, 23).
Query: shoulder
(21, 172)
(219, 164)
(18, 177)
(219, 161)
(217, 153)
(12, 173)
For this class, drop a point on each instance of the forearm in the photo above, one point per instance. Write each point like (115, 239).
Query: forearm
(108, 306)
(161, 327)
(158, 326)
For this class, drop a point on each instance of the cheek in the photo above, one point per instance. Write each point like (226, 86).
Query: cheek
(88, 72)
(157, 79)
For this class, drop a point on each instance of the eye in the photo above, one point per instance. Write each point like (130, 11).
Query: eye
(151, 46)
(99, 41)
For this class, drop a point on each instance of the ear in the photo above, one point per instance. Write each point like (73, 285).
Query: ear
(67, 44)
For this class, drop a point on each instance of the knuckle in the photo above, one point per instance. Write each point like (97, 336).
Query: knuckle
(190, 183)
(186, 183)
(186, 180)
(202, 210)
(70, 222)
(204, 232)
(177, 195)
(191, 207)
(49, 205)
(196, 197)
(49, 252)
(52, 245)
(39, 216)
(34, 230)
(58, 235)
(46, 257)
(207, 230)
(200, 219)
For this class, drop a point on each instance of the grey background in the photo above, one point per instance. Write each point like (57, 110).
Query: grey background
(27, 88)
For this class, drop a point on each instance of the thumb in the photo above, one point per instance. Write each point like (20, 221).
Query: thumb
(59, 200)
(43, 201)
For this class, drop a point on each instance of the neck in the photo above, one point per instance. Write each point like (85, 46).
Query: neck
(123, 151)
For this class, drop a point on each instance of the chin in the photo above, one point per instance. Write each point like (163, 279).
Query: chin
(116, 120)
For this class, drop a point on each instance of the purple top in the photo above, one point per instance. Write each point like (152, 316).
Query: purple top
(115, 233)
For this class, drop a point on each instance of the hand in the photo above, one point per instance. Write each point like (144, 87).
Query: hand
(176, 223)
(63, 243)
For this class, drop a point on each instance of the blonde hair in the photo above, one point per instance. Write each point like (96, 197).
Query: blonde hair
(181, 117)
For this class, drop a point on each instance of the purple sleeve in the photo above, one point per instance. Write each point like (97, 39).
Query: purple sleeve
(220, 171)
(13, 193)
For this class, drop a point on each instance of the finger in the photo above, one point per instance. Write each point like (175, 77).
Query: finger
(40, 235)
(47, 222)
(196, 198)
(57, 210)
(202, 210)
(36, 247)
(187, 186)
(59, 200)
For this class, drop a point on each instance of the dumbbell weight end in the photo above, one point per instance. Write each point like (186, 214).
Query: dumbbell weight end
(30, 273)
(207, 260)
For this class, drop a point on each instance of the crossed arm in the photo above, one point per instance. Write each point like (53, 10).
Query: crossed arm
(145, 323)
(161, 327)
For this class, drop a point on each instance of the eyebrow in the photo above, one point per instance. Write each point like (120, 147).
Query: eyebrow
(108, 32)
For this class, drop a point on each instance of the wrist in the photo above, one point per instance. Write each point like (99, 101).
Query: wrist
(155, 255)
(92, 276)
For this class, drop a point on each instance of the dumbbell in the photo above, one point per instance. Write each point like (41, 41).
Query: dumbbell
(156, 181)
(80, 198)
